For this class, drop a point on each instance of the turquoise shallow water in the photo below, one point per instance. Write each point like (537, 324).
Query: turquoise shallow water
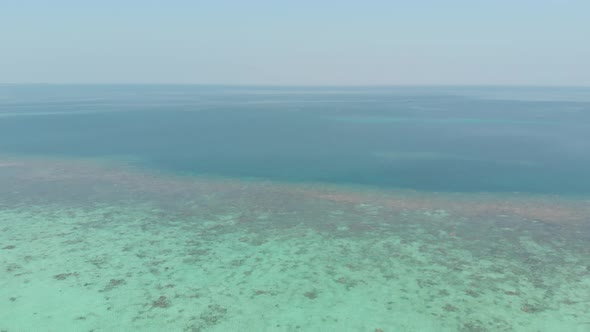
(188, 208)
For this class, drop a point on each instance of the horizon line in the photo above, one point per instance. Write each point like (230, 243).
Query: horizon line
(301, 85)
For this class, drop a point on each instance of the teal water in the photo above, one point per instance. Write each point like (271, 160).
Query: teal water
(196, 208)
(325, 135)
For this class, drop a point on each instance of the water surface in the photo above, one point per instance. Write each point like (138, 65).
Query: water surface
(203, 208)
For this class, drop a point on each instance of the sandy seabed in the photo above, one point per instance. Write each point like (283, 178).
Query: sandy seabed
(93, 246)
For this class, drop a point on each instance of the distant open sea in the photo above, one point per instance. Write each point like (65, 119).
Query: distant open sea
(458, 139)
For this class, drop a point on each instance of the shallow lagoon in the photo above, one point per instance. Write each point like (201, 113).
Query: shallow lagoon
(207, 209)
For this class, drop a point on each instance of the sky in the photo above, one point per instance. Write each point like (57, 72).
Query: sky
(303, 42)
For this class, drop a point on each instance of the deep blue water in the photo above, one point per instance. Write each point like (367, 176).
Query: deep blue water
(436, 139)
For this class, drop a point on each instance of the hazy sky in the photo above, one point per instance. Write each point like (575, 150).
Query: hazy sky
(303, 42)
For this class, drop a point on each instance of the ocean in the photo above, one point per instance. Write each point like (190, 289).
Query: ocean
(216, 208)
